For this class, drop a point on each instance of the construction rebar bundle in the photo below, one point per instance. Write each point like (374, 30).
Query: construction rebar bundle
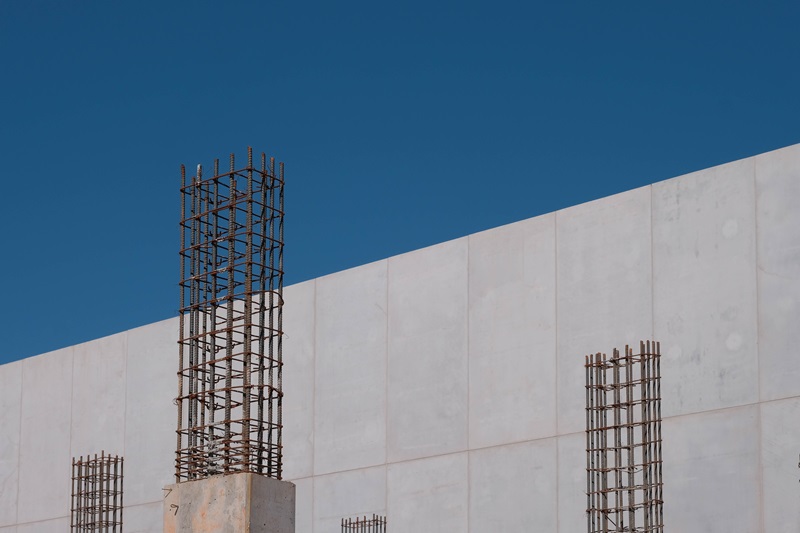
(96, 503)
(376, 524)
(623, 441)
(230, 347)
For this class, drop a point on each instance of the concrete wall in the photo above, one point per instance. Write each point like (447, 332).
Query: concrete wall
(444, 387)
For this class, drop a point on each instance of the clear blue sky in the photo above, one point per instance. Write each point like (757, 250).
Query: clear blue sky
(402, 124)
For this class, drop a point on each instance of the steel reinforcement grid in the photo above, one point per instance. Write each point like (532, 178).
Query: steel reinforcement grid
(623, 441)
(96, 502)
(231, 326)
(376, 524)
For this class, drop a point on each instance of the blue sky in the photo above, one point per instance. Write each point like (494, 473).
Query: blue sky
(402, 124)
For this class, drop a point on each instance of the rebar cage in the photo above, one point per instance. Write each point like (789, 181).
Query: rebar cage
(623, 441)
(230, 346)
(376, 524)
(96, 502)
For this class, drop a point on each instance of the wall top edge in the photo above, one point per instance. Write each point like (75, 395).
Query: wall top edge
(777, 153)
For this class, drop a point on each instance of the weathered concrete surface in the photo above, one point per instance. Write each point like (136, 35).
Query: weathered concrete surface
(428, 378)
(239, 503)
(704, 287)
(603, 288)
(512, 333)
(351, 369)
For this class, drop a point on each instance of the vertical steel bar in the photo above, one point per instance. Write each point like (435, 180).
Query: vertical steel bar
(616, 411)
(229, 323)
(248, 310)
(121, 494)
(101, 497)
(658, 458)
(115, 504)
(631, 446)
(271, 319)
(589, 469)
(202, 341)
(181, 315)
(72, 499)
(213, 303)
(279, 395)
(86, 492)
(266, 218)
(193, 320)
(594, 517)
(644, 367)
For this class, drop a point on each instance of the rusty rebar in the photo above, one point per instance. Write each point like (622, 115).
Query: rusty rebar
(230, 347)
(96, 499)
(376, 524)
(624, 487)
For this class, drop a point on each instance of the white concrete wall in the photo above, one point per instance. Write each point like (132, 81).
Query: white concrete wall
(444, 387)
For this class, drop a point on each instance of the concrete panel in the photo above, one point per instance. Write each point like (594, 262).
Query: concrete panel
(604, 289)
(348, 494)
(428, 495)
(148, 518)
(49, 526)
(98, 396)
(428, 374)
(572, 483)
(10, 412)
(512, 333)
(45, 463)
(778, 223)
(304, 506)
(780, 459)
(350, 406)
(705, 288)
(298, 380)
(711, 471)
(151, 415)
(514, 487)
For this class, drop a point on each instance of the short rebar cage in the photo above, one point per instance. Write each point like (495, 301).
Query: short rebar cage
(376, 524)
(96, 502)
(623, 441)
(230, 347)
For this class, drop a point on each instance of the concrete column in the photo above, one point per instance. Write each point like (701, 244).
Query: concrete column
(238, 503)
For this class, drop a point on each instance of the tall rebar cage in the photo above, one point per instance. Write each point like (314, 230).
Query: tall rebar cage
(376, 524)
(624, 484)
(96, 502)
(231, 326)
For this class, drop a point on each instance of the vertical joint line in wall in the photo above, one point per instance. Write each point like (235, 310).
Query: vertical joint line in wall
(469, 390)
(314, 395)
(313, 407)
(555, 306)
(755, 274)
(758, 347)
(386, 404)
(555, 388)
(652, 271)
(71, 396)
(125, 395)
(19, 432)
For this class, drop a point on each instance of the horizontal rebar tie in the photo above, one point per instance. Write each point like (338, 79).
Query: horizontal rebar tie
(623, 441)
(231, 326)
